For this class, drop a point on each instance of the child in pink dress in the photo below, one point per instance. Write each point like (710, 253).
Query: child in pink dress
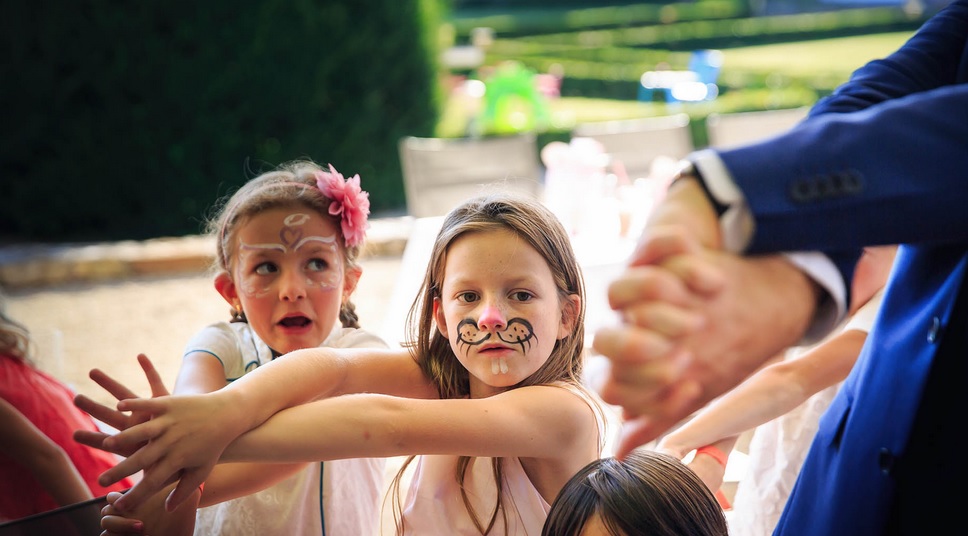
(487, 395)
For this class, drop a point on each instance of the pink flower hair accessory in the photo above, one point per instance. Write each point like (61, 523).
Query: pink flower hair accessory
(348, 200)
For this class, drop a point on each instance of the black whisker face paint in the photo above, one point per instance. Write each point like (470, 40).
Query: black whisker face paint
(518, 331)
(469, 334)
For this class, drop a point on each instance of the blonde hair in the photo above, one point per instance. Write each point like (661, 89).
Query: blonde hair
(540, 228)
(290, 184)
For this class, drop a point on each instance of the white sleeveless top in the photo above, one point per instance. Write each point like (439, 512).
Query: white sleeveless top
(336, 498)
(779, 447)
(434, 505)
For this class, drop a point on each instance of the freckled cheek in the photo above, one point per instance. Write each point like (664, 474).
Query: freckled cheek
(544, 331)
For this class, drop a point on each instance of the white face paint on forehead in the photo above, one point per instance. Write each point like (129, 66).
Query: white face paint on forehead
(328, 240)
(291, 236)
(291, 240)
(295, 219)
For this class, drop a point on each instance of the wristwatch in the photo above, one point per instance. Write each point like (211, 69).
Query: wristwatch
(735, 220)
(737, 227)
(689, 170)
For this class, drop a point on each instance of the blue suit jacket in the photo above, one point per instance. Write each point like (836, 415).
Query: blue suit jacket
(883, 160)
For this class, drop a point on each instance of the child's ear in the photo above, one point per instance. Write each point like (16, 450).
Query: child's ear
(350, 280)
(569, 316)
(226, 287)
(439, 318)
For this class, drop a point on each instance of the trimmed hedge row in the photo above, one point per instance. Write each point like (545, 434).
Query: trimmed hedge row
(598, 61)
(732, 32)
(127, 120)
(516, 21)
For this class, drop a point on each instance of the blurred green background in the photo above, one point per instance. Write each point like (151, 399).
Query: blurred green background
(127, 120)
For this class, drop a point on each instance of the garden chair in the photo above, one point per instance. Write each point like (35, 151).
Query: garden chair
(635, 143)
(737, 128)
(439, 173)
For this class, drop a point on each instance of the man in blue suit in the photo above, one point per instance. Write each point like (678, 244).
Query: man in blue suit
(710, 295)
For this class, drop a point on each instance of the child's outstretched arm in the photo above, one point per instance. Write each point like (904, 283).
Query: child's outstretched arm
(181, 442)
(769, 393)
(543, 422)
(29, 447)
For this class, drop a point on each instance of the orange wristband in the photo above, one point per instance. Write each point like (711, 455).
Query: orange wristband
(201, 488)
(715, 452)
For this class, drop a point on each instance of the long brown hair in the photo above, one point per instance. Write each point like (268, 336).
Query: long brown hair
(539, 227)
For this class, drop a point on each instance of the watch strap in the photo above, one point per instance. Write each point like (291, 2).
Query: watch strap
(689, 170)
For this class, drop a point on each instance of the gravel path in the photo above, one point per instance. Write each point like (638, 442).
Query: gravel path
(78, 327)
(104, 325)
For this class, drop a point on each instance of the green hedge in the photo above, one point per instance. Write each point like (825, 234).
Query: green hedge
(607, 63)
(128, 119)
(517, 21)
(747, 31)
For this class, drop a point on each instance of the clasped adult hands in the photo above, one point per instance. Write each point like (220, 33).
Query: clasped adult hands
(696, 320)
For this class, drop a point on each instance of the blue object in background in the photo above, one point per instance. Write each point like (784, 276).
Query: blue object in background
(706, 64)
(697, 83)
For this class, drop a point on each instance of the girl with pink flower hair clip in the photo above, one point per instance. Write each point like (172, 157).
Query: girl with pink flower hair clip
(485, 399)
(349, 202)
(287, 249)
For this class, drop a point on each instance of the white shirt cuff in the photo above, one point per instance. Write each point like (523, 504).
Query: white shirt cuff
(736, 225)
(832, 307)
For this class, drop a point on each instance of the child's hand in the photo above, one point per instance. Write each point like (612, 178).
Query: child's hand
(111, 416)
(115, 523)
(710, 471)
(150, 518)
(179, 442)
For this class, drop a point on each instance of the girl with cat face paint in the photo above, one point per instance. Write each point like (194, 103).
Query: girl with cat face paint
(485, 395)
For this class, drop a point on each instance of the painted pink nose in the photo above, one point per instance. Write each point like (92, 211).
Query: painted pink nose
(491, 318)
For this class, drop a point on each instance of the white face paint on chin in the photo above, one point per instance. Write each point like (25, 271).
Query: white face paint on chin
(499, 366)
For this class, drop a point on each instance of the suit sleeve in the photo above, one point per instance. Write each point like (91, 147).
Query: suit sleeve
(881, 161)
